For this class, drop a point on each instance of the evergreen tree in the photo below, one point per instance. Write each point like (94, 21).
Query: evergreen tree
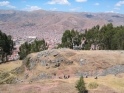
(80, 86)
(6, 44)
(70, 38)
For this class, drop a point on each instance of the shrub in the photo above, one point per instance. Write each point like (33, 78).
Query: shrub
(93, 85)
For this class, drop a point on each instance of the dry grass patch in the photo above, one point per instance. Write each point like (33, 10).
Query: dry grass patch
(6, 67)
(110, 81)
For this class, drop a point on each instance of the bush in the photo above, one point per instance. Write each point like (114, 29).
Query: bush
(93, 85)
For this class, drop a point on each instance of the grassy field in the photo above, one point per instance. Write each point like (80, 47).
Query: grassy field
(106, 84)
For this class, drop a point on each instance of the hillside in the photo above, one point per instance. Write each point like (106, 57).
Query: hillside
(50, 24)
(57, 70)
(60, 62)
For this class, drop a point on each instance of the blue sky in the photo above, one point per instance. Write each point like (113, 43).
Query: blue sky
(113, 6)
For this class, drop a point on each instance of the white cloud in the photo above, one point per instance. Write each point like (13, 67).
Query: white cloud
(6, 4)
(119, 3)
(96, 4)
(75, 9)
(53, 9)
(61, 2)
(116, 8)
(80, 0)
(110, 11)
(31, 8)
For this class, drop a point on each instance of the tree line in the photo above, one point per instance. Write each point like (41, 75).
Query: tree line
(106, 38)
(36, 46)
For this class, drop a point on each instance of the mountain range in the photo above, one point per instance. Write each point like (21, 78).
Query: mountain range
(51, 24)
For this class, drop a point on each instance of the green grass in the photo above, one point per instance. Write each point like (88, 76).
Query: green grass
(6, 78)
(4, 75)
(10, 80)
(18, 70)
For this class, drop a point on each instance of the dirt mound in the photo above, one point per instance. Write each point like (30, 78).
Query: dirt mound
(65, 63)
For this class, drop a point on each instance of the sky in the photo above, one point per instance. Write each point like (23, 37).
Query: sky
(112, 6)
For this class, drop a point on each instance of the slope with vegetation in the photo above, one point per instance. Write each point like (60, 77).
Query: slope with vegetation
(57, 70)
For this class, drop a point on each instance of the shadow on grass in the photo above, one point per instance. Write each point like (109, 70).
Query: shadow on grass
(86, 91)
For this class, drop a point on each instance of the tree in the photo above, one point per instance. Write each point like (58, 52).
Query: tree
(80, 86)
(6, 44)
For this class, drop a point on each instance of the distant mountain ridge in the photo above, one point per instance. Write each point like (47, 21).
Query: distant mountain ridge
(51, 24)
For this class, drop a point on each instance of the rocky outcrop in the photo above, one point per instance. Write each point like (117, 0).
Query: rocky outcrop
(111, 70)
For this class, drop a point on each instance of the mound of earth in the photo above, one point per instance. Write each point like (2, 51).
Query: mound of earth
(57, 70)
(66, 63)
